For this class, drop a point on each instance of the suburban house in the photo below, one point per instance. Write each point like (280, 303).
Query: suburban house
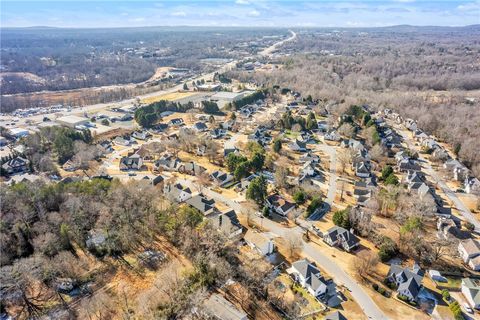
(471, 292)
(219, 308)
(337, 315)
(259, 241)
(332, 136)
(200, 126)
(16, 165)
(408, 281)
(227, 223)
(309, 277)
(309, 157)
(141, 135)
(177, 192)
(469, 251)
(221, 178)
(362, 170)
(203, 204)
(448, 228)
(279, 205)
(217, 133)
(408, 165)
(338, 236)
(459, 171)
(176, 122)
(229, 147)
(168, 163)
(121, 141)
(191, 168)
(472, 185)
(298, 146)
(133, 162)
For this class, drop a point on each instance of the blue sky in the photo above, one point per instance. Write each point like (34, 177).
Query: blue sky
(18, 13)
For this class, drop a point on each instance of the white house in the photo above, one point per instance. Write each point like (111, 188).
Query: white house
(260, 242)
(309, 277)
(468, 249)
(177, 192)
(279, 205)
(471, 292)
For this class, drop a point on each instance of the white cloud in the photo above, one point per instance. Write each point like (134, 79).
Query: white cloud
(254, 13)
(178, 14)
(469, 6)
(242, 2)
(404, 1)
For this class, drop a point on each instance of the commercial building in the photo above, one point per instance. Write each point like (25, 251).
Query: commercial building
(73, 121)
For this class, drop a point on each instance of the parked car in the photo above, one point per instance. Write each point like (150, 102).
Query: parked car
(468, 308)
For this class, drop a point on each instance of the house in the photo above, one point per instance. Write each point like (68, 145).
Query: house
(332, 136)
(469, 251)
(203, 204)
(245, 182)
(309, 157)
(221, 178)
(133, 162)
(362, 170)
(200, 127)
(414, 177)
(177, 192)
(16, 165)
(219, 308)
(298, 146)
(121, 141)
(459, 171)
(436, 276)
(176, 122)
(106, 146)
(167, 162)
(227, 223)
(408, 281)
(279, 205)
(227, 125)
(191, 168)
(447, 228)
(229, 147)
(337, 315)
(217, 133)
(70, 166)
(408, 165)
(141, 135)
(259, 241)
(309, 277)
(308, 169)
(471, 292)
(472, 185)
(338, 236)
(440, 153)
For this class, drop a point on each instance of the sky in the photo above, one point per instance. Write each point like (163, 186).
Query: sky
(244, 13)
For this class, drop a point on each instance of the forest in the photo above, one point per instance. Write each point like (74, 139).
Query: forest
(428, 74)
(35, 59)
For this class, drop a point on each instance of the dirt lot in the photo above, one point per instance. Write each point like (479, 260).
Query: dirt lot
(168, 96)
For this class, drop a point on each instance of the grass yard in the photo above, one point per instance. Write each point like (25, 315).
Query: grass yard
(168, 96)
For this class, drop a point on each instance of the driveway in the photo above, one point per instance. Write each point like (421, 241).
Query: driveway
(361, 297)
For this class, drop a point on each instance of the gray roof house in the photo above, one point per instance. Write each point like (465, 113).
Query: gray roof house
(297, 145)
(279, 204)
(227, 223)
(408, 281)
(221, 178)
(177, 192)
(337, 315)
(309, 277)
(203, 204)
(16, 165)
(338, 236)
(472, 185)
(133, 162)
(218, 307)
(471, 292)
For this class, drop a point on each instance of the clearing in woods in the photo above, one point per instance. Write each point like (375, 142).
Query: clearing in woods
(168, 96)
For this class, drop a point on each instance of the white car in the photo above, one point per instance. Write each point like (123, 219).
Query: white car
(467, 308)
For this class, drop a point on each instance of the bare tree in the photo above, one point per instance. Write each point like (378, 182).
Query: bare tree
(294, 243)
(365, 263)
(346, 130)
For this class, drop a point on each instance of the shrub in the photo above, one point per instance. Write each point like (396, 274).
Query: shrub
(105, 122)
(388, 249)
(469, 226)
(375, 287)
(300, 197)
(341, 218)
(445, 294)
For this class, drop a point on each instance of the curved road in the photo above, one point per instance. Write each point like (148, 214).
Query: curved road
(313, 251)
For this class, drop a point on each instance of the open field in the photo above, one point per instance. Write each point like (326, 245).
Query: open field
(172, 96)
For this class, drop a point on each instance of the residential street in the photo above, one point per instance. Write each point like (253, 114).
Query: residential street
(309, 249)
(437, 179)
